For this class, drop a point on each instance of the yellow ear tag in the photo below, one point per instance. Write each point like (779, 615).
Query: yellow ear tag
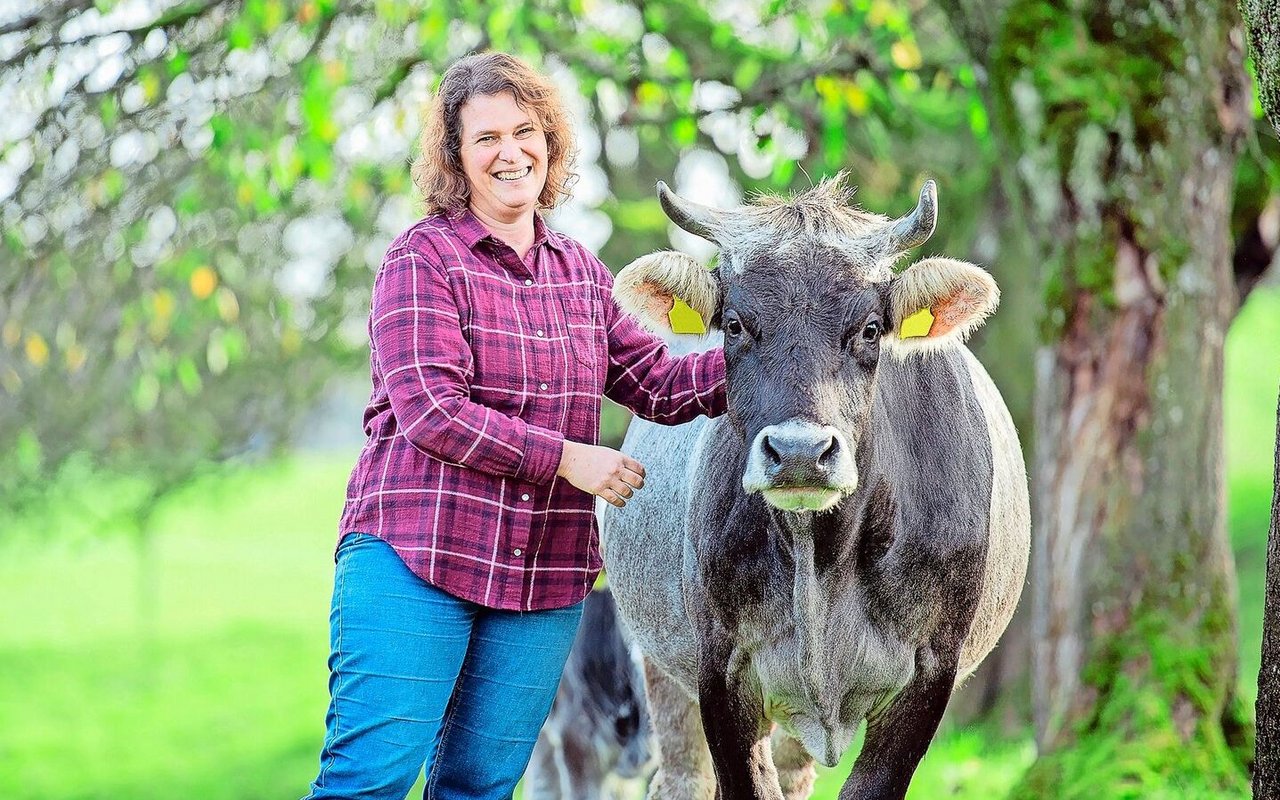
(918, 324)
(684, 319)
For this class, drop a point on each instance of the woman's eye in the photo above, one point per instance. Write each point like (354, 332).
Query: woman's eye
(524, 132)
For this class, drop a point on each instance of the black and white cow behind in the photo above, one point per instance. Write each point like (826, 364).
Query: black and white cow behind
(849, 541)
(596, 742)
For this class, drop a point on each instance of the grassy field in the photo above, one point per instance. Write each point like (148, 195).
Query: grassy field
(194, 666)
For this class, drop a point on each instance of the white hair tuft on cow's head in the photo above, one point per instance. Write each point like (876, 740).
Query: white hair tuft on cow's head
(647, 288)
(937, 303)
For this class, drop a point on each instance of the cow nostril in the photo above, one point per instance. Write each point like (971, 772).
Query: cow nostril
(771, 454)
(829, 454)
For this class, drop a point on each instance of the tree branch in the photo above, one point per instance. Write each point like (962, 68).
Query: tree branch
(170, 19)
(49, 13)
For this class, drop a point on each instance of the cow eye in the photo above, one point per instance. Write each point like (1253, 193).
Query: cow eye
(871, 332)
(732, 327)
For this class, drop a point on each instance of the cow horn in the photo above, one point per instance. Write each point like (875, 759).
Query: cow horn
(915, 228)
(694, 217)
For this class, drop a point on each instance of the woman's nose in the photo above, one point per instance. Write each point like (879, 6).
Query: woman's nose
(509, 151)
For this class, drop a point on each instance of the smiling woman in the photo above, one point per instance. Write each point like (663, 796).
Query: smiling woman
(468, 539)
(504, 156)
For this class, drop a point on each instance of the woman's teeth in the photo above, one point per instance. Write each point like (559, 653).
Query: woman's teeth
(513, 175)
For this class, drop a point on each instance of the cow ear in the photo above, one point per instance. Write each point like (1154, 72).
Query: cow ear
(938, 302)
(665, 290)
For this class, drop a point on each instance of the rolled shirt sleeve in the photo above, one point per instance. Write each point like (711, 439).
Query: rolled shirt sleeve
(416, 332)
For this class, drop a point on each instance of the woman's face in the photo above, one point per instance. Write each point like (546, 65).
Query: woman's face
(504, 156)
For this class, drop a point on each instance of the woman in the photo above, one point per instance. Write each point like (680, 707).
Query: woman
(468, 539)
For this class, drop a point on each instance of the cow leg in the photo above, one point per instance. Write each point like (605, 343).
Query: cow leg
(542, 778)
(796, 772)
(684, 763)
(898, 737)
(737, 732)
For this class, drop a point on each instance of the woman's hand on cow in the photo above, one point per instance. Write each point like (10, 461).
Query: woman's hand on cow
(601, 471)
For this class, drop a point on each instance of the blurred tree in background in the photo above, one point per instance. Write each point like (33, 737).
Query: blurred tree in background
(195, 192)
(195, 195)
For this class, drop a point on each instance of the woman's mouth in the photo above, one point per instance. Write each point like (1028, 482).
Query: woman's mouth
(513, 174)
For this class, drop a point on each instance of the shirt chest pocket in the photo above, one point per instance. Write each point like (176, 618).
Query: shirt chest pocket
(583, 328)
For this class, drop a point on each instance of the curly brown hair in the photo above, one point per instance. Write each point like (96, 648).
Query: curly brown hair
(437, 171)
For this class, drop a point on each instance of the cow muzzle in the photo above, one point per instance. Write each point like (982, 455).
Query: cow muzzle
(800, 466)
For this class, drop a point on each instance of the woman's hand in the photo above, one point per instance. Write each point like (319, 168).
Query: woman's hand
(601, 471)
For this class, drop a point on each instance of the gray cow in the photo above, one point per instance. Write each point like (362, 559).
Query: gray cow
(849, 541)
(596, 742)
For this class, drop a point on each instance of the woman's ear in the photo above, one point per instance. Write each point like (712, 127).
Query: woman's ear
(666, 290)
(938, 302)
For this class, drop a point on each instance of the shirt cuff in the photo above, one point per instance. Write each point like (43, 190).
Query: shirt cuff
(542, 450)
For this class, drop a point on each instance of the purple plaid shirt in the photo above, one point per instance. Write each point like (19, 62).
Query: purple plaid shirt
(482, 365)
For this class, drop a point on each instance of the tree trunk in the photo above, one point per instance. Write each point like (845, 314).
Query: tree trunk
(1262, 18)
(1125, 121)
(1266, 776)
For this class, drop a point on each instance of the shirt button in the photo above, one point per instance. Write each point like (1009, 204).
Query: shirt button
(541, 332)
(542, 386)
(524, 497)
(528, 282)
(517, 551)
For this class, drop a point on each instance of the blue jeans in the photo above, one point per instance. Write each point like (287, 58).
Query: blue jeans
(419, 677)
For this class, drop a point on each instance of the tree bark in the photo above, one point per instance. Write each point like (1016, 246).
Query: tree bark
(1125, 121)
(1262, 19)
(1266, 775)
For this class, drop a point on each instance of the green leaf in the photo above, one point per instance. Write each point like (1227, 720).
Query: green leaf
(177, 63)
(783, 170)
(500, 23)
(220, 124)
(745, 76)
(684, 132)
(978, 122)
(146, 393)
(113, 184)
(655, 17)
(236, 344)
(677, 64)
(240, 35)
(189, 376)
(109, 111)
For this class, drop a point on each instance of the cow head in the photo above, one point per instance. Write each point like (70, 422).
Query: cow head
(808, 303)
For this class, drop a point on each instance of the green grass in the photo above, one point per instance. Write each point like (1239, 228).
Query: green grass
(211, 684)
(195, 667)
(215, 687)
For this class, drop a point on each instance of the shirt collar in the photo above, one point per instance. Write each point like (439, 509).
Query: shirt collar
(472, 231)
